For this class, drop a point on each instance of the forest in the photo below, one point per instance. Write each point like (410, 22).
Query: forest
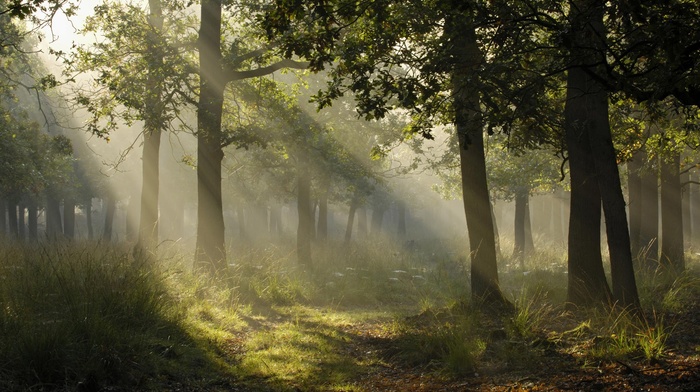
(349, 195)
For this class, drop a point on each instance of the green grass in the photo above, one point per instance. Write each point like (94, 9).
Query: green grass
(84, 314)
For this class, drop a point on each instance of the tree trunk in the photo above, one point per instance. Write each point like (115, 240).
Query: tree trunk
(12, 219)
(240, 217)
(21, 224)
(69, 217)
(322, 226)
(695, 210)
(351, 220)
(110, 204)
(210, 249)
(469, 126)
(88, 218)
(634, 186)
(304, 211)
(685, 201)
(32, 221)
(3, 217)
(587, 284)
(53, 218)
(557, 227)
(671, 216)
(153, 124)
(649, 225)
(521, 205)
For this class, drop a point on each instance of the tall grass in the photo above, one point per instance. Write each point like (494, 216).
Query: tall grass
(78, 315)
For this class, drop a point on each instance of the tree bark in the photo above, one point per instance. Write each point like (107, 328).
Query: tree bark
(210, 249)
(521, 205)
(322, 226)
(88, 218)
(587, 284)
(53, 218)
(304, 211)
(634, 186)
(685, 202)
(351, 220)
(671, 216)
(695, 210)
(649, 225)
(69, 217)
(470, 134)
(110, 205)
(12, 220)
(153, 124)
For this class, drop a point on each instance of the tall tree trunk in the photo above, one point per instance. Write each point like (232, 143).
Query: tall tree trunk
(671, 216)
(470, 134)
(695, 209)
(587, 284)
(589, 27)
(685, 201)
(304, 209)
(153, 124)
(322, 226)
(69, 217)
(521, 205)
(88, 218)
(110, 205)
(12, 219)
(210, 249)
(351, 220)
(495, 231)
(529, 240)
(3, 217)
(54, 227)
(32, 221)
(634, 186)
(649, 225)
(21, 224)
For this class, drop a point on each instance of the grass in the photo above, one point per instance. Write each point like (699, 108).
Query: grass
(86, 315)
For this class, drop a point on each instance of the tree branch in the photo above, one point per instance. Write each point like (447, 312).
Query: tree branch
(253, 73)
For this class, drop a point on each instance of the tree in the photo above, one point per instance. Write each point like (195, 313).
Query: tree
(216, 71)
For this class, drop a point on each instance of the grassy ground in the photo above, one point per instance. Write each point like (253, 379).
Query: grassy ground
(84, 317)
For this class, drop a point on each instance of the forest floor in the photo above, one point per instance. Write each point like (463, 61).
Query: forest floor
(302, 348)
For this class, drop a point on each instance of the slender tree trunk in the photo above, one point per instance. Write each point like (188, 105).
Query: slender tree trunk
(495, 231)
(110, 205)
(3, 217)
(521, 205)
(634, 186)
(210, 249)
(470, 134)
(529, 240)
(153, 124)
(322, 227)
(695, 210)
(12, 219)
(649, 225)
(69, 217)
(32, 221)
(671, 216)
(88, 218)
(21, 224)
(351, 220)
(304, 209)
(687, 225)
